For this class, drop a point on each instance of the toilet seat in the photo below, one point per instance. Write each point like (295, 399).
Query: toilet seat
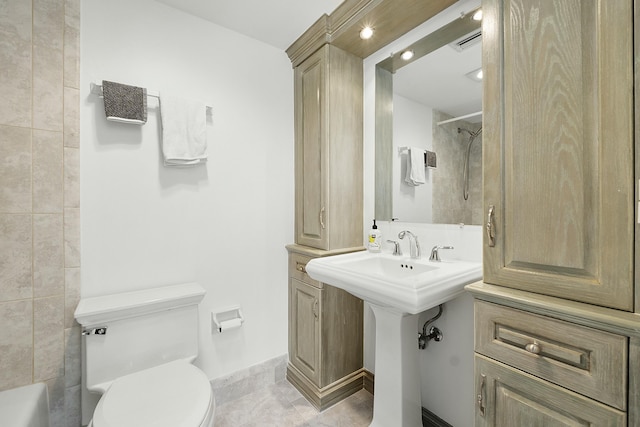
(176, 394)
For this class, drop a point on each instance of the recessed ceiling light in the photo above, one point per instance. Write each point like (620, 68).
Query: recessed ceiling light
(475, 75)
(366, 33)
(478, 15)
(407, 55)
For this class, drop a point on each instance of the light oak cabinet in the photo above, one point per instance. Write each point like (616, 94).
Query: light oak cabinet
(325, 335)
(508, 397)
(558, 148)
(556, 323)
(328, 149)
(584, 360)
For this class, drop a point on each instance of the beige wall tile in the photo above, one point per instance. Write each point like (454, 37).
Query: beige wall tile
(15, 169)
(47, 88)
(72, 295)
(72, 237)
(15, 57)
(72, 44)
(71, 177)
(48, 338)
(16, 343)
(71, 117)
(15, 257)
(48, 255)
(48, 24)
(47, 172)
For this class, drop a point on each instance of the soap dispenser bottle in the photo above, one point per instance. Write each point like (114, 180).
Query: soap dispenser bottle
(375, 239)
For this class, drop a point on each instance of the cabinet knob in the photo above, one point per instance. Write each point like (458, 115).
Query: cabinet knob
(533, 348)
(301, 268)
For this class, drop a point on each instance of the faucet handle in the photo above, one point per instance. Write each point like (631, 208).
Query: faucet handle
(435, 255)
(396, 248)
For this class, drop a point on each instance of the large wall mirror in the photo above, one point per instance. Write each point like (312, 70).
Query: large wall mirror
(431, 102)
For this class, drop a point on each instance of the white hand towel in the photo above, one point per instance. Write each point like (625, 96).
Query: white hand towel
(415, 167)
(184, 131)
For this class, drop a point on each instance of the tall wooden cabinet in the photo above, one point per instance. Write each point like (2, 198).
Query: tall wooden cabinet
(558, 165)
(328, 118)
(558, 148)
(326, 323)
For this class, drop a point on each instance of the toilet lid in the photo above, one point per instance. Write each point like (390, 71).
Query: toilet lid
(176, 394)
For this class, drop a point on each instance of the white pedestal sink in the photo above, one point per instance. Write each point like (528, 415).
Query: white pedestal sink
(397, 288)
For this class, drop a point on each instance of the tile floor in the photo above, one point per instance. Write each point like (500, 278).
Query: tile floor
(281, 405)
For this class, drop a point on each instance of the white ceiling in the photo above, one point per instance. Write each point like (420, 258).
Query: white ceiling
(436, 80)
(275, 22)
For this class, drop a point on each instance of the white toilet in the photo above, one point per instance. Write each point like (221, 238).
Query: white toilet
(137, 353)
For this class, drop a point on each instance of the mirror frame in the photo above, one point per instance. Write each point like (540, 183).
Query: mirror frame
(383, 179)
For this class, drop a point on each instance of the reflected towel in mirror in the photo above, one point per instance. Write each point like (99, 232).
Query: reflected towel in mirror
(415, 167)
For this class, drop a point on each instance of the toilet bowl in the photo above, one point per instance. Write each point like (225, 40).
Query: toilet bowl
(137, 353)
(175, 394)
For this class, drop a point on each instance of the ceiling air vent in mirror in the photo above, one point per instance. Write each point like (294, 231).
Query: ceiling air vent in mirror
(467, 41)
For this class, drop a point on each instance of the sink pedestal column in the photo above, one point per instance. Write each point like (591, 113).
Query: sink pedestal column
(397, 401)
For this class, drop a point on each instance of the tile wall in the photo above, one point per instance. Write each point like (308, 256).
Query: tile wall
(40, 200)
(449, 206)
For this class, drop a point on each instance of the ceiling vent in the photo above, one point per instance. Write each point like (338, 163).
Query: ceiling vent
(467, 41)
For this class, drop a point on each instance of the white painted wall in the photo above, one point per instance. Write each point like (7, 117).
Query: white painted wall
(446, 368)
(224, 224)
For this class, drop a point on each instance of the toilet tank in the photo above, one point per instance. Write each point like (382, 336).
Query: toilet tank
(128, 332)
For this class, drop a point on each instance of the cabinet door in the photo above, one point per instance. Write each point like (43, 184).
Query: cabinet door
(557, 155)
(304, 328)
(507, 397)
(310, 152)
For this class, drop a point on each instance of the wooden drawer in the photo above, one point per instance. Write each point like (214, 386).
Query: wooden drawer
(298, 269)
(585, 360)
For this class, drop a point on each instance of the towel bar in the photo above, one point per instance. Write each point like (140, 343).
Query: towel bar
(96, 89)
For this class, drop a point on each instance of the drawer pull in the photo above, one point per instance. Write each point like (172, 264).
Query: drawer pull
(322, 217)
(491, 234)
(533, 348)
(301, 268)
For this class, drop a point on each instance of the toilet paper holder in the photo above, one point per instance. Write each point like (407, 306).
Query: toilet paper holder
(226, 318)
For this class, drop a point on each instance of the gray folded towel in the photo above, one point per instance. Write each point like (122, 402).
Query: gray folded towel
(123, 103)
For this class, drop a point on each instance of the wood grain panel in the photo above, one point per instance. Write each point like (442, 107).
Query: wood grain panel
(557, 155)
(585, 360)
(342, 344)
(389, 18)
(344, 178)
(304, 328)
(310, 198)
(514, 398)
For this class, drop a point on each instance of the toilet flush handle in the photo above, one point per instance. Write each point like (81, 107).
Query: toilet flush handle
(100, 330)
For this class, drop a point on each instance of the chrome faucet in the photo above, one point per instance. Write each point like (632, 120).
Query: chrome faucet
(435, 255)
(414, 246)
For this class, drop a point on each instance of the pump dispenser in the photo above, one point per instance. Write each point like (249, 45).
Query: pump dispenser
(375, 239)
